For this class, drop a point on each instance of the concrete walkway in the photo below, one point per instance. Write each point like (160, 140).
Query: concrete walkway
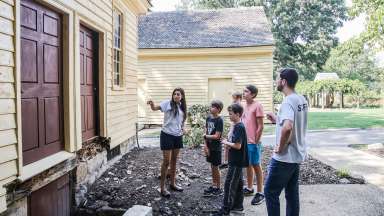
(338, 137)
(356, 162)
(330, 200)
(331, 147)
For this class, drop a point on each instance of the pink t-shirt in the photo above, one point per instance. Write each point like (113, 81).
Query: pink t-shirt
(251, 112)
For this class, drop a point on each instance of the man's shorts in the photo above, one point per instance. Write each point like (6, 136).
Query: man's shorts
(214, 158)
(169, 142)
(254, 153)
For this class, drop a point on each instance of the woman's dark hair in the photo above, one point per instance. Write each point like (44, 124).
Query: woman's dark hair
(252, 89)
(290, 75)
(183, 103)
(236, 108)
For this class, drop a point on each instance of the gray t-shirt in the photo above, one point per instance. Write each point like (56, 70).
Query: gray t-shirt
(172, 124)
(294, 108)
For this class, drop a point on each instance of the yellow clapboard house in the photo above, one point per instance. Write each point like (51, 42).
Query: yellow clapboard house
(68, 81)
(209, 53)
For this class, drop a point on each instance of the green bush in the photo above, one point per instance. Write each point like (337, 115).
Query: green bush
(194, 137)
(197, 114)
(277, 97)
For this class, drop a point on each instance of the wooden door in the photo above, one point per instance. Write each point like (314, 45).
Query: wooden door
(53, 199)
(221, 89)
(88, 83)
(41, 81)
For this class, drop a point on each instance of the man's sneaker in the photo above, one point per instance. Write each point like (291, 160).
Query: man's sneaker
(258, 199)
(221, 212)
(248, 192)
(217, 192)
(223, 166)
(237, 210)
(208, 191)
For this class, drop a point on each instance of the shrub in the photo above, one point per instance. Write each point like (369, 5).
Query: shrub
(197, 115)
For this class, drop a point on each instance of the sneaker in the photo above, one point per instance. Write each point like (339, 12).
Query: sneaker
(176, 188)
(258, 199)
(237, 210)
(248, 192)
(217, 191)
(221, 212)
(165, 194)
(209, 191)
(223, 166)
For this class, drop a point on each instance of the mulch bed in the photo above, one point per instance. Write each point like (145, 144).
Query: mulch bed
(134, 181)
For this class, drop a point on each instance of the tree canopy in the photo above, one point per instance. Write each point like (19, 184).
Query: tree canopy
(304, 31)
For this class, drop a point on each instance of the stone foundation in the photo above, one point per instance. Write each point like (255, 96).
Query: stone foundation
(83, 173)
(89, 170)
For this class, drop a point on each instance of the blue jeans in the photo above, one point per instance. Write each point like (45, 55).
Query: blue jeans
(282, 175)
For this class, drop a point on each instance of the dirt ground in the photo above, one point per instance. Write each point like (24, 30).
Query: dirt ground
(134, 181)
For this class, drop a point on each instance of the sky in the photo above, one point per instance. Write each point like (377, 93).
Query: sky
(349, 29)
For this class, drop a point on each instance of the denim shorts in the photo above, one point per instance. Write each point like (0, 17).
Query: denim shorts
(254, 153)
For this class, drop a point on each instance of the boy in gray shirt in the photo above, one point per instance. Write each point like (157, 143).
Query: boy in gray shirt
(290, 148)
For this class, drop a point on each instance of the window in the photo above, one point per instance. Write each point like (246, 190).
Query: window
(117, 48)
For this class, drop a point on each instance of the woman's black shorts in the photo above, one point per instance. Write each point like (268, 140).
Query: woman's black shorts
(169, 142)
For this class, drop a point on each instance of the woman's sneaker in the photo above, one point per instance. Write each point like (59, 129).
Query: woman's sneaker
(248, 192)
(258, 199)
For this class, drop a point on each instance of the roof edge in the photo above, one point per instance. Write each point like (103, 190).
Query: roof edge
(139, 6)
(174, 52)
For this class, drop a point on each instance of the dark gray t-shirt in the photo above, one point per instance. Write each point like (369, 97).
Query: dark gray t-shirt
(239, 157)
(172, 124)
(214, 125)
(294, 108)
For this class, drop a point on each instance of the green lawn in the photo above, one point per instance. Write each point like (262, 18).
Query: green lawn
(347, 118)
(356, 118)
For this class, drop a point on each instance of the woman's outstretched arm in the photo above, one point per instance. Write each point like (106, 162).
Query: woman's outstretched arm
(153, 106)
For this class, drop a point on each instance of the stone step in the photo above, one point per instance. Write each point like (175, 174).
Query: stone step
(139, 210)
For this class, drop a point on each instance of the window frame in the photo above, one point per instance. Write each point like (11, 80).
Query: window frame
(120, 56)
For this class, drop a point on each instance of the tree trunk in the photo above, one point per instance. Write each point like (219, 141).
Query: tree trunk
(322, 99)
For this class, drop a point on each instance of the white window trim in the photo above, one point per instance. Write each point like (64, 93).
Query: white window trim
(121, 86)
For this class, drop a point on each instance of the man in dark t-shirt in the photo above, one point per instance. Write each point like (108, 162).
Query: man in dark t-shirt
(214, 129)
(237, 160)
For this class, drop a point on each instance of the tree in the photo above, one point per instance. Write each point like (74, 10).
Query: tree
(352, 60)
(374, 9)
(312, 89)
(184, 5)
(216, 4)
(304, 31)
